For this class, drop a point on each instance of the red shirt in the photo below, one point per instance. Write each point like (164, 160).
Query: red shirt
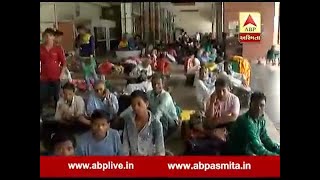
(51, 63)
(163, 66)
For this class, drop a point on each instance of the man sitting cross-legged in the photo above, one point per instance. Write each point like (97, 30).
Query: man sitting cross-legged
(249, 136)
(69, 116)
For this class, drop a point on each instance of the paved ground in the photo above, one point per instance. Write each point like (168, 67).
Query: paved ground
(266, 78)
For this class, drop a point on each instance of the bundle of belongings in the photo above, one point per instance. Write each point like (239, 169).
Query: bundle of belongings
(65, 76)
(105, 68)
(142, 84)
(199, 141)
(80, 84)
(129, 64)
(171, 58)
(238, 84)
(242, 65)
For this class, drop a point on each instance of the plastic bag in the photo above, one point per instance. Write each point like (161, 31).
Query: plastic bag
(65, 76)
(171, 58)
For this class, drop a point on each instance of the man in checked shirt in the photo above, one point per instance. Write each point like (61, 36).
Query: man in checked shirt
(102, 99)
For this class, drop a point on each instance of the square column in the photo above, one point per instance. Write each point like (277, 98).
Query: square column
(126, 18)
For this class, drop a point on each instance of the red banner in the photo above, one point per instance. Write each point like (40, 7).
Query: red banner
(172, 166)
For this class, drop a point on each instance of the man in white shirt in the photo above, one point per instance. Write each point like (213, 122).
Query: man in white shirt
(70, 107)
(69, 117)
(144, 67)
(143, 86)
(204, 87)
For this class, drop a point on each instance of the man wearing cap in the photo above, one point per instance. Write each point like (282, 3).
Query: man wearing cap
(52, 63)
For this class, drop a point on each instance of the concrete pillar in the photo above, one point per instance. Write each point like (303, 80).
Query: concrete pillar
(142, 19)
(214, 23)
(162, 24)
(146, 19)
(152, 22)
(276, 25)
(126, 18)
(166, 25)
(219, 20)
(157, 21)
(170, 31)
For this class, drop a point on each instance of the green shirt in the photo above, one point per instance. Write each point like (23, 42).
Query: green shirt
(249, 136)
(88, 69)
(272, 54)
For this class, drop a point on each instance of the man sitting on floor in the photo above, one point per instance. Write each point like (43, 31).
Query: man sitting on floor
(222, 110)
(71, 107)
(102, 99)
(143, 68)
(69, 117)
(101, 140)
(161, 105)
(249, 135)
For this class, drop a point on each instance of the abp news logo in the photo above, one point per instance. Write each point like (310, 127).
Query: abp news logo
(250, 27)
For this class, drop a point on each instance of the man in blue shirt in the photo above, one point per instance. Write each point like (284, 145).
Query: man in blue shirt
(102, 99)
(101, 140)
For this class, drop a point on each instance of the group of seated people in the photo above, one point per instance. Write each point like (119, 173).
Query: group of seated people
(140, 128)
(150, 118)
(130, 43)
(219, 130)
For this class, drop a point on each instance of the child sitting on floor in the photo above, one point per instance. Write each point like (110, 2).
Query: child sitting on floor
(62, 144)
(101, 140)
